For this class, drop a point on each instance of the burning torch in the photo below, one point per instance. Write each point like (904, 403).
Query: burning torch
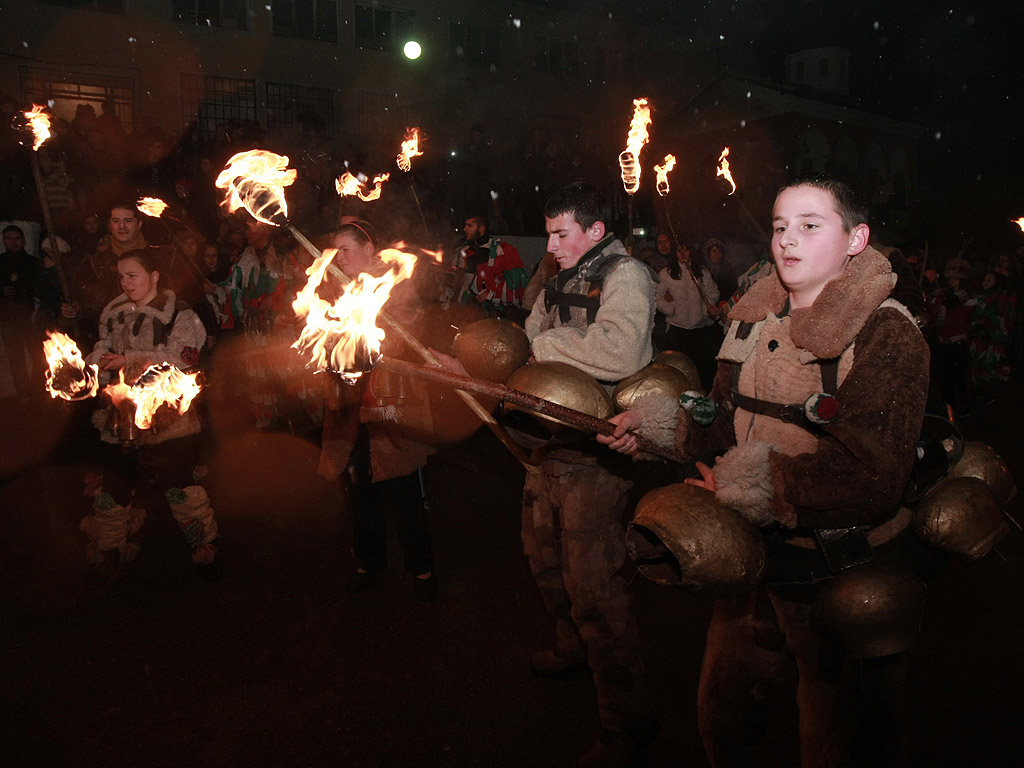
(255, 181)
(411, 149)
(67, 375)
(724, 171)
(629, 158)
(39, 122)
(661, 173)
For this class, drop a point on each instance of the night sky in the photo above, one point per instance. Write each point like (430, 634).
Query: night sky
(955, 68)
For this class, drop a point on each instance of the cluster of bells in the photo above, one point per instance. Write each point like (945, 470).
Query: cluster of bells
(681, 535)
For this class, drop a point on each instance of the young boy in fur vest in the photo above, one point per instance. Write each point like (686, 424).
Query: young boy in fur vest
(817, 406)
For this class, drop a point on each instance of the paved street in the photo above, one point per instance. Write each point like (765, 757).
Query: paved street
(276, 665)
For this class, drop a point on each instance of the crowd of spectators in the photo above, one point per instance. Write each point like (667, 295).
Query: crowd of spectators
(92, 163)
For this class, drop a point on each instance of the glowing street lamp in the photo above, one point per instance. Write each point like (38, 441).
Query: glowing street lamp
(412, 50)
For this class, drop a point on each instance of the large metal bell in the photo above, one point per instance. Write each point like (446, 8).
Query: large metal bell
(656, 378)
(684, 364)
(874, 610)
(564, 385)
(492, 349)
(961, 516)
(681, 535)
(981, 461)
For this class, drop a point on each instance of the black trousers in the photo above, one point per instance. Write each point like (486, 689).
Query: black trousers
(371, 502)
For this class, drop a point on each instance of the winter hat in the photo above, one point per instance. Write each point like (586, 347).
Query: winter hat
(62, 244)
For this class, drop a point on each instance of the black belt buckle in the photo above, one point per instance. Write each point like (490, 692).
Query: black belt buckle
(844, 548)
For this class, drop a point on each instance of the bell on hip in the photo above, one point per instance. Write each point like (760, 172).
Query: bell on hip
(681, 535)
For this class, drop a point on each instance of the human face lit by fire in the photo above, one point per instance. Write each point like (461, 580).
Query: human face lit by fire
(353, 257)
(124, 226)
(810, 244)
(471, 230)
(663, 244)
(568, 241)
(138, 284)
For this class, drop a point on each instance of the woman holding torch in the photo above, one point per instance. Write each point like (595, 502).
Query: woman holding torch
(366, 440)
(142, 327)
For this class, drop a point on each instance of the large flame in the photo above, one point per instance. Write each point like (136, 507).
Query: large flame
(348, 185)
(151, 206)
(662, 171)
(255, 180)
(410, 148)
(39, 121)
(629, 159)
(343, 335)
(723, 169)
(1019, 222)
(67, 375)
(160, 384)
(118, 391)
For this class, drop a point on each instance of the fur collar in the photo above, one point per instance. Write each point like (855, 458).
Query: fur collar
(832, 323)
(160, 308)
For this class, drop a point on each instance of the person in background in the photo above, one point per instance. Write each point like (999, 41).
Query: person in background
(687, 297)
(950, 313)
(722, 270)
(495, 275)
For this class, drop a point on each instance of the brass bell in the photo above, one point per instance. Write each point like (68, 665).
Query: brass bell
(874, 610)
(684, 364)
(960, 515)
(682, 535)
(981, 461)
(656, 378)
(492, 349)
(564, 385)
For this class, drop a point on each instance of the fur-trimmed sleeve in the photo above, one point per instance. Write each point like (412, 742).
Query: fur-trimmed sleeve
(660, 415)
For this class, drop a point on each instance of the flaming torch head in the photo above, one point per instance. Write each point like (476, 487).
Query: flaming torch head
(151, 206)
(1019, 222)
(162, 384)
(137, 404)
(629, 158)
(723, 169)
(662, 171)
(410, 149)
(348, 185)
(39, 121)
(255, 180)
(67, 375)
(343, 337)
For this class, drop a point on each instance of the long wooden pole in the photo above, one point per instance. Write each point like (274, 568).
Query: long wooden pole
(50, 233)
(526, 400)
